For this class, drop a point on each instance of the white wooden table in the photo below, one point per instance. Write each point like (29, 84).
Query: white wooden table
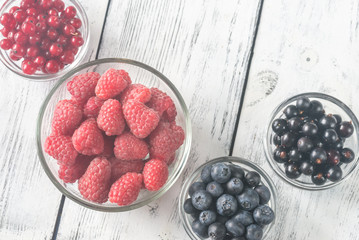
(233, 61)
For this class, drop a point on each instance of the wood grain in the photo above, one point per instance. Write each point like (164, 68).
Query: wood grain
(303, 46)
(203, 47)
(29, 202)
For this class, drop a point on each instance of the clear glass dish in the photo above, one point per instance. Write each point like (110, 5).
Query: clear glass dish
(15, 66)
(139, 73)
(331, 105)
(196, 176)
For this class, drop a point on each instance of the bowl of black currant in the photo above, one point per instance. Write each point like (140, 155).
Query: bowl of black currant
(228, 198)
(312, 141)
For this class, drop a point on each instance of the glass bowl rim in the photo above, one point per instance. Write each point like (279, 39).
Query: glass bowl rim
(275, 166)
(9, 63)
(175, 175)
(183, 194)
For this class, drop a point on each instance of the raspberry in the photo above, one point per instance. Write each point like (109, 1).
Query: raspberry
(162, 103)
(171, 159)
(94, 185)
(88, 139)
(82, 86)
(108, 146)
(141, 119)
(155, 174)
(128, 147)
(66, 118)
(120, 167)
(69, 174)
(93, 106)
(165, 140)
(111, 83)
(126, 189)
(61, 148)
(125, 76)
(136, 92)
(110, 118)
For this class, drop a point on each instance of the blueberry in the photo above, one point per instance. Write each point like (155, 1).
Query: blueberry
(310, 129)
(217, 231)
(195, 187)
(304, 144)
(345, 129)
(215, 189)
(279, 126)
(237, 171)
(201, 200)
(243, 217)
(263, 215)
(252, 178)
(291, 111)
(292, 171)
(295, 156)
(334, 173)
(319, 178)
(346, 155)
(220, 172)
(330, 136)
(328, 121)
(307, 168)
(222, 219)
(248, 200)
(196, 214)
(234, 186)
(234, 228)
(333, 157)
(207, 217)
(303, 104)
(318, 156)
(188, 207)
(226, 205)
(288, 139)
(316, 109)
(206, 174)
(294, 124)
(200, 229)
(263, 193)
(280, 155)
(254, 232)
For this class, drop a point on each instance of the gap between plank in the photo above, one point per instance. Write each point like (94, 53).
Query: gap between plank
(62, 203)
(246, 78)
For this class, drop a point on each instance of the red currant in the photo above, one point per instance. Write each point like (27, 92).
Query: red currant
(20, 37)
(72, 48)
(62, 40)
(45, 4)
(53, 21)
(39, 61)
(31, 19)
(41, 26)
(61, 65)
(13, 9)
(52, 34)
(28, 67)
(45, 44)
(35, 40)
(11, 35)
(47, 55)
(4, 31)
(67, 57)
(6, 19)
(32, 51)
(53, 12)
(55, 49)
(31, 12)
(70, 12)
(13, 56)
(41, 17)
(52, 66)
(68, 29)
(25, 4)
(59, 5)
(28, 28)
(18, 50)
(5, 44)
(76, 23)
(19, 15)
(77, 41)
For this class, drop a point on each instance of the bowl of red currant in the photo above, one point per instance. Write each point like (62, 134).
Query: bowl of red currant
(312, 141)
(43, 39)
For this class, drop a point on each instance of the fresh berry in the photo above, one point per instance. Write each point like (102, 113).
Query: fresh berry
(294, 124)
(207, 217)
(69, 12)
(330, 136)
(319, 178)
(88, 139)
(77, 41)
(333, 157)
(254, 232)
(110, 118)
(288, 139)
(252, 178)
(5, 44)
(243, 217)
(263, 215)
(248, 199)
(328, 121)
(234, 228)
(188, 207)
(316, 110)
(292, 171)
(94, 185)
(234, 186)
(305, 144)
(215, 189)
(263, 193)
(200, 229)
(291, 111)
(161, 102)
(347, 155)
(279, 126)
(28, 67)
(136, 92)
(66, 118)
(226, 205)
(111, 83)
(82, 86)
(52, 66)
(237, 171)
(216, 231)
(69, 174)
(128, 147)
(334, 173)
(306, 168)
(303, 104)
(126, 189)
(61, 148)
(120, 167)
(295, 156)
(206, 174)
(195, 187)
(93, 106)
(318, 156)
(310, 129)
(165, 140)
(201, 200)
(155, 174)
(220, 172)
(345, 129)
(276, 139)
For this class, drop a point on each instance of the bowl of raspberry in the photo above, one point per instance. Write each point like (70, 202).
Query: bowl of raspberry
(228, 198)
(312, 141)
(43, 39)
(113, 134)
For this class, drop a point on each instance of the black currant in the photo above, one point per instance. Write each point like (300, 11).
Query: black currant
(307, 168)
(338, 118)
(346, 155)
(291, 111)
(292, 171)
(288, 139)
(280, 155)
(295, 155)
(318, 156)
(294, 124)
(316, 109)
(333, 157)
(310, 129)
(305, 144)
(330, 136)
(345, 129)
(279, 126)
(334, 173)
(328, 121)
(319, 178)
(303, 104)
(276, 139)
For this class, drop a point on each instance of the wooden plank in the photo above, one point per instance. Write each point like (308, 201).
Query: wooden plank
(303, 46)
(29, 202)
(203, 47)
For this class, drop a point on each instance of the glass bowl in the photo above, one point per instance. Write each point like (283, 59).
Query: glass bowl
(247, 166)
(139, 73)
(15, 66)
(331, 105)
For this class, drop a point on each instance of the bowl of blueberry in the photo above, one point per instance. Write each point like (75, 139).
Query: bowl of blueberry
(312, 141)
(228, 198)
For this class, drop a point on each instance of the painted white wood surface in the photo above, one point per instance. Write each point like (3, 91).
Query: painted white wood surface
(203, 47)
(29, 202)
(303, 46)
